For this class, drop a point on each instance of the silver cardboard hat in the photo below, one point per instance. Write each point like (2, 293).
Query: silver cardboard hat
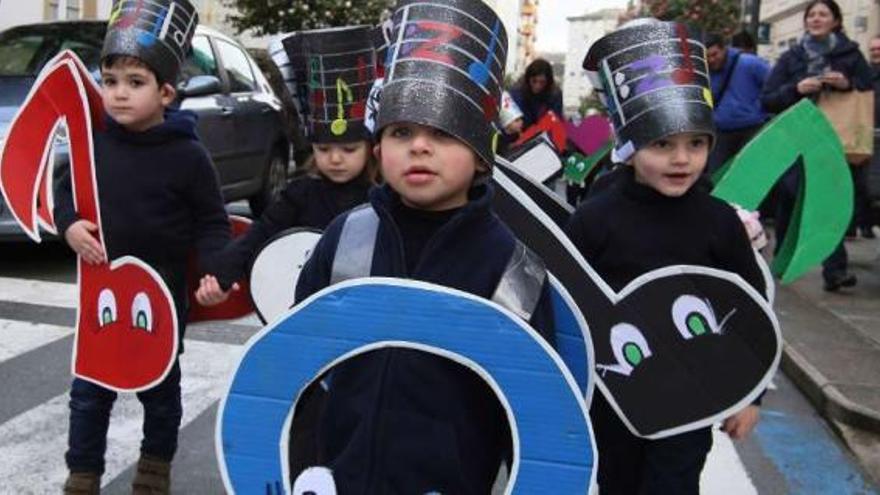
(446, 70)
(653, 78)
(158, 32)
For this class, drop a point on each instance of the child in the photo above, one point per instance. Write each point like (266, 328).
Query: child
(399, 420)
(655, 214)
(159, 199)
(342, 167)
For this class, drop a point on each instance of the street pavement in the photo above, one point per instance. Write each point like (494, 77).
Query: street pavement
(793, 450)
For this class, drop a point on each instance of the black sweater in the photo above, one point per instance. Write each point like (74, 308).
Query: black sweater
(159, 197)
(306, 202)
(403, 421)
(629, 229)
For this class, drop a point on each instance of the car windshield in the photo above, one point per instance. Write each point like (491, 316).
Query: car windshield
(24, 50)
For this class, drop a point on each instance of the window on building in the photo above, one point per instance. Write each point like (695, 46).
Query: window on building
(238, 69)
(59, 10)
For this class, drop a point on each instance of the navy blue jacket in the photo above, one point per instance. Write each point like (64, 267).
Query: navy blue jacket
(159, 197)
(535, 106)
(780, 90)
(740, 105)
(402, 421)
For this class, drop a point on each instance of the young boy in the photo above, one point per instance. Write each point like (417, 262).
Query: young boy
(159, 199)
(399, 420)
(655, 214)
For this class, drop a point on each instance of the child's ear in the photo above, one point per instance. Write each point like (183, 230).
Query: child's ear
(167, 93)
(377, 151)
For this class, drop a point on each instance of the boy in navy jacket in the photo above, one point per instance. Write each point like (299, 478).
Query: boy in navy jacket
(399, 420)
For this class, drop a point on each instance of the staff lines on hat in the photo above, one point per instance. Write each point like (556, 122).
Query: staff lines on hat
(462, 12)
(450, 66)
(436, 83)
(457, 49)
(667, 71)
(469, 34)
(349, 84)
(654, 90)
(171, 9)
(351, 119)
(323, 85)
(370, 51)
(651, 109)
(654, 42)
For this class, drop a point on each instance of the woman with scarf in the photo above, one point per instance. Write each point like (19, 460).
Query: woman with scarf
(824, 60)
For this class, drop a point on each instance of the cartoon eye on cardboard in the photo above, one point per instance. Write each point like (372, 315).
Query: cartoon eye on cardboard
(551, 437)
(114, 298)
(682, 326)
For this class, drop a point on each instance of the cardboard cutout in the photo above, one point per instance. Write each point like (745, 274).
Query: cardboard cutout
(591, 135)
(537, 159)
(682, 326)
(126, 335)
(579, 167)
(551, 124)
(276, 268)
(238, 305)
(552, 441)
(801, 134)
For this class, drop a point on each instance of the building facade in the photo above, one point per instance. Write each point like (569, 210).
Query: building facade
(17, 12)
(861, 21)
(583, 31)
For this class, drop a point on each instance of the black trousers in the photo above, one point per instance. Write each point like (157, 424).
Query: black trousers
(629, 465)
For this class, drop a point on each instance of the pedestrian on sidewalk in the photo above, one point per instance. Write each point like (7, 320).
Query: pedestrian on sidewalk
(652, 215)
(825, 59)
(400, 420)
(160, 200)
(737, 78)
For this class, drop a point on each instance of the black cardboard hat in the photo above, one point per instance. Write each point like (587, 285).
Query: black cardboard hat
(158, 32)
(289, 57)
(339, 65)
(653, 78)
(446, 70)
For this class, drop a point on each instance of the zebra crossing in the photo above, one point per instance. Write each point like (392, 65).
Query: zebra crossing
(35, 379)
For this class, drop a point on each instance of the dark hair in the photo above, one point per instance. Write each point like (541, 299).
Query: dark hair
(539, 67)
(832, 6)
(714, 39)
(110, 61)
(744, 40)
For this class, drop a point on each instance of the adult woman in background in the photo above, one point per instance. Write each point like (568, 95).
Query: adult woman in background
(537, 94)
(824, 60)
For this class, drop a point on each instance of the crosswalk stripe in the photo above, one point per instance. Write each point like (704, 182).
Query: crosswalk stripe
(724, 471)
(64, 295)
(33, 443)
(20, 337)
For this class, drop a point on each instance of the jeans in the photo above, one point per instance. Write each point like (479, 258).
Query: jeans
(90, 407)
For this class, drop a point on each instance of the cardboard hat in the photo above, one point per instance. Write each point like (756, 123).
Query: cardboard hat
(653, 78)
(158, 32)
(289, 56)
(510, 111)
(340, 68)
(446, 70)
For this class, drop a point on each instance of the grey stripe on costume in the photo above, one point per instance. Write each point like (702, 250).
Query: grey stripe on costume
(354, 253)
(520, 287)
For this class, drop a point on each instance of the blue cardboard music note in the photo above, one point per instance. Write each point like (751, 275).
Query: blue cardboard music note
(480, 71)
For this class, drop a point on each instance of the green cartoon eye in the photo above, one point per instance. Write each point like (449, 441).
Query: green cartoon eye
(106, 307)
(633, 353)
(697, 324)
(142, 312)
(693, 317)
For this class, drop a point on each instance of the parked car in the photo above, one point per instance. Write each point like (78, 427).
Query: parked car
(240, 117)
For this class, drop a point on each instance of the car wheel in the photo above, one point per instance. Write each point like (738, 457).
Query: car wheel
(274, 181)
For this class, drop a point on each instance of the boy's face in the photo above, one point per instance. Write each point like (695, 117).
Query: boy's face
(673, 164)
(132, 96)
(430, 169)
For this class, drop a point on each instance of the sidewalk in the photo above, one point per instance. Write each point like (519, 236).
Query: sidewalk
(832, 348)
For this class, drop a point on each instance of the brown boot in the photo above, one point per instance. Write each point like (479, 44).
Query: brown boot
(153, 477)
(82, 483)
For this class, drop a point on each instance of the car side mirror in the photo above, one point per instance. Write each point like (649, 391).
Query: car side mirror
(199, 86)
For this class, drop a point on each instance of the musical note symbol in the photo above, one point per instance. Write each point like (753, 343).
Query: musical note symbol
(128, 19)
(340, 125)
(148, 38)
(480, 71)
(359, 109)
(314, 70)
(684, 75)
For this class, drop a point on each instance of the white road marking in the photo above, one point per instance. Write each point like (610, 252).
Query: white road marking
(18, 337)
(724, 472)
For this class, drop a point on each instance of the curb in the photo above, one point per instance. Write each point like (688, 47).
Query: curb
(827, 399)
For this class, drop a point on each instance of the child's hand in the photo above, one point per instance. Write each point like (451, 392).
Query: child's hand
(742, 423)
(210, 293)
(80, 237)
